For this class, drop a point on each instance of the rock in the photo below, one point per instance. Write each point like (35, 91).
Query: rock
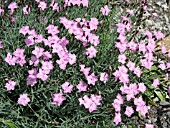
(164, 103)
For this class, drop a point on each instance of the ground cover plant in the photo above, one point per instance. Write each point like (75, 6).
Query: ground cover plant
(78, 64)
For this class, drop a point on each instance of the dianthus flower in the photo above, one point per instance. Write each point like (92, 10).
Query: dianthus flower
(58, 98)
(10, 85)
(92, 79)
(91, 52)
(82, 86)
(66, 87)
(155, 82)
(23, 99)
(1, 11)
(26, 9)
(129, 111)
(12, 6)
(42, 5)
(105, 10)
(38, 51)
(104, 77)
(122, 58)
(117, 118)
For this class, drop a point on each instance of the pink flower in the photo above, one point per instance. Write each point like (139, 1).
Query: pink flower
(158, 35)
(58, 98)
(104, 77)
(10, 85)
(92, 79)
(62, 63)
(85, 70)
(131, 12)
(117, 118)
(163, 49)
(42, 74)
(131, 65)
(105, 10)
(12, 6)
(169, 90)
(42, 5)
(141, 87)
(155, 82)
(162, 66)
(72, 58)
(142, 48)
(38, 51)
(47, 65)
(10, 60)
(24, 30)
(132, 46)
(23, 99)
(121, 46)
(82, 86)
(67, 88)
(122, 58)
(93, 23)
(1, 11)
(53, 30)
(91, 52)
(149, 126)
(1, 45)
(137, 71)
(129, 111)
(25, 11)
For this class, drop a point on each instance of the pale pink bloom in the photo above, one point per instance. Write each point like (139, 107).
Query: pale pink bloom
(169, 53)
(31, 81)
(1, 46)
(116, 106)
(141, 87)
(131, 65)
(62, 63)
(163, 49)
(58, 98)
(93, 39)
(122, 58)
(1, 11)
(149, 34)
(85, 70)
(129, 111)
(38, 51)
(121, 28)
(34, 60)
(72, 58)
(162, 66)
(104, 77)
(145, 63)
(10, 85)
(121, 46)
(149, 126)
(10, 60)
(169, 90)
(117, 118)
(82, 86)
(131, 12)
(155, 82)
(24, 30)
(132, 46)
(138, 71)
(23, 99)
(93, 23)
(149, 56)
(47, 55)
(142, 48)
(151, 45)
(42, 5)
(105, 10)
(139, 101)
(47, 65)
(91, 52)
(26, 9)
(168, 65)
(12, 6)
(42, 75)
(92, 79)
(158, 35)
(66, 87)
(122, 38)
(53, 30)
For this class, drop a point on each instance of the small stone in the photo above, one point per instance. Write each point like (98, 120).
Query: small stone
(164, 103)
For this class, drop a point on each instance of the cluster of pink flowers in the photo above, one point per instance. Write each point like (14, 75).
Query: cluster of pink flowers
(76, 2)
(17, 58)
(10, 85)
(90, 103)
(84, 33)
